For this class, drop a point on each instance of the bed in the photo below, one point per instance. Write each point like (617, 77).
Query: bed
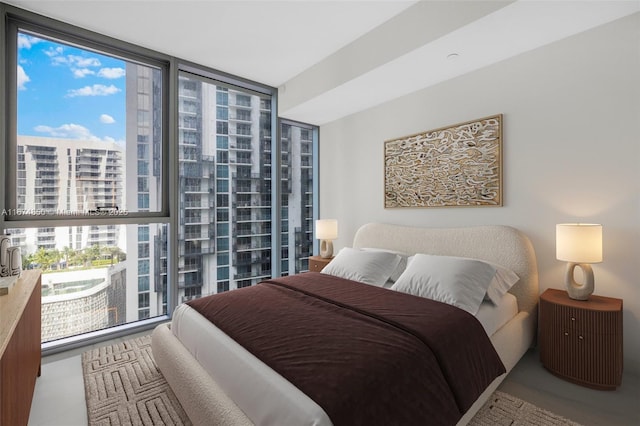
(246, 391)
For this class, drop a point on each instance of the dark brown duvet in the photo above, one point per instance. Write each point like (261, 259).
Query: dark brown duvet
(366, 355)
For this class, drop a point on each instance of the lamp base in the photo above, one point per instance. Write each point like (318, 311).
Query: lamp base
(579, 291)
(326, 248)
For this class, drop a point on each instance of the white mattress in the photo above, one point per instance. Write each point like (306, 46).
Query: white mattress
(262, 394)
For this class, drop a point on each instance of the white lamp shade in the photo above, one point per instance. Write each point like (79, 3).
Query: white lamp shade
(326, 229)
(579, 242)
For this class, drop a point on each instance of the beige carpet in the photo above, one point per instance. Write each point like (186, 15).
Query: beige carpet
(503, 409)
(123, 386)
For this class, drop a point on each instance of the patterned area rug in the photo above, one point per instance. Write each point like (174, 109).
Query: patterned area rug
(123, 386)
(503, 409)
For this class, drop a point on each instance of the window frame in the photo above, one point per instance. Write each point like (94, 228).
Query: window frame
(315, 166)
(14, 20)
(223, 80)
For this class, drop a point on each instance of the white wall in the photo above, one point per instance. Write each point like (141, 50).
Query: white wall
(571, 153)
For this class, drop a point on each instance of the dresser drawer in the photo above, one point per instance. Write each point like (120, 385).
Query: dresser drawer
(316, 266)
(567, 318)
(581, 341)
(317, 263)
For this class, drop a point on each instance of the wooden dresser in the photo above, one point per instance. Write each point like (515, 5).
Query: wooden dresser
(19, 348)
(581, 341)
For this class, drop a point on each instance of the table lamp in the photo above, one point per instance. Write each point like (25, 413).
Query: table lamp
(580, 244)
(326, 232)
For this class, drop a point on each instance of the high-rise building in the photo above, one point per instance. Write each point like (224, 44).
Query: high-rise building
(146, 243)
(220, 160)
(67, 177)
(297, 198)
(224, 238)
(196, 187)
(225, 193)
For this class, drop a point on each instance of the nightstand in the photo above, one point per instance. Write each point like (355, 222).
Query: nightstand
(317, 263)
(581, 340)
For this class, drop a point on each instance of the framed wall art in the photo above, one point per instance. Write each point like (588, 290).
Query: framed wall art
(454, 166)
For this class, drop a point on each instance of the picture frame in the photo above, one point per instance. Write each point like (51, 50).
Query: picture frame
(454, 166)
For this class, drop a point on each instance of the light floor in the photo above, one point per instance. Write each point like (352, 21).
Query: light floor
(59, 394)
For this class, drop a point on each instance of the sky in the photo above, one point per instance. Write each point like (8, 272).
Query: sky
(71, 93)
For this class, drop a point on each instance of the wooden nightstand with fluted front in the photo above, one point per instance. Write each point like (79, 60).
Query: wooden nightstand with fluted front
(581, 340)
(317, 263)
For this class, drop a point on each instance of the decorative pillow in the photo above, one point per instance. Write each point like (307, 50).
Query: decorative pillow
(454, 280)
(503, 280)
(370, 267)
(401, 266)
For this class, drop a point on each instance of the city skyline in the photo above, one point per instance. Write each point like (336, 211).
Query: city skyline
(225, 203)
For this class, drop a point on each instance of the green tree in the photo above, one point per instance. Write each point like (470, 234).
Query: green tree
(85, 258)
(114, 253)
(56, 257)
(44, 258)
(68, 254)
(75, 258)
(93, 252)
(27, 261)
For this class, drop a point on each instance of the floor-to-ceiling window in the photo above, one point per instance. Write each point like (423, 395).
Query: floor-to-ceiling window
(127, 212)
(298, 144)
(226, 149)
(85, 184)
(224, 181)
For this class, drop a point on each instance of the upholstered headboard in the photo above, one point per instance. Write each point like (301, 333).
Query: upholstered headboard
(503, 245)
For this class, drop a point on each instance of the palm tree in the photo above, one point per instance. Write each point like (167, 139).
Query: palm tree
(75, 258)
(68, 254)
(93, 253)
(27, 261)
(56, 257)
(114, 251)
(43, 258)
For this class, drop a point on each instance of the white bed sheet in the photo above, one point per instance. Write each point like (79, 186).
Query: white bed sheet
(493, 317)
(262, 394)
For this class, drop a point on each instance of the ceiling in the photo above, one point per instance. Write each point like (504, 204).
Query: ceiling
(239, 37)
(296, 44)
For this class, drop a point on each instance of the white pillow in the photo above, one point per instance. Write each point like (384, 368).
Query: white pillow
(454, 280)
(370, 267)
(402, 265)
(500, 284)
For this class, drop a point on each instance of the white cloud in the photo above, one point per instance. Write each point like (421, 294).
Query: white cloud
(95, 90)
(72, 131)
(56, 55)
(26, 41)
(79, 65)
(54, 52)
(111, 73)
(23, 78)
(82, 72)
(82, 62)
(107, 119)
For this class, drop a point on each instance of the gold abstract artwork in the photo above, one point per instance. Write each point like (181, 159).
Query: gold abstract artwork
(459, 165)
